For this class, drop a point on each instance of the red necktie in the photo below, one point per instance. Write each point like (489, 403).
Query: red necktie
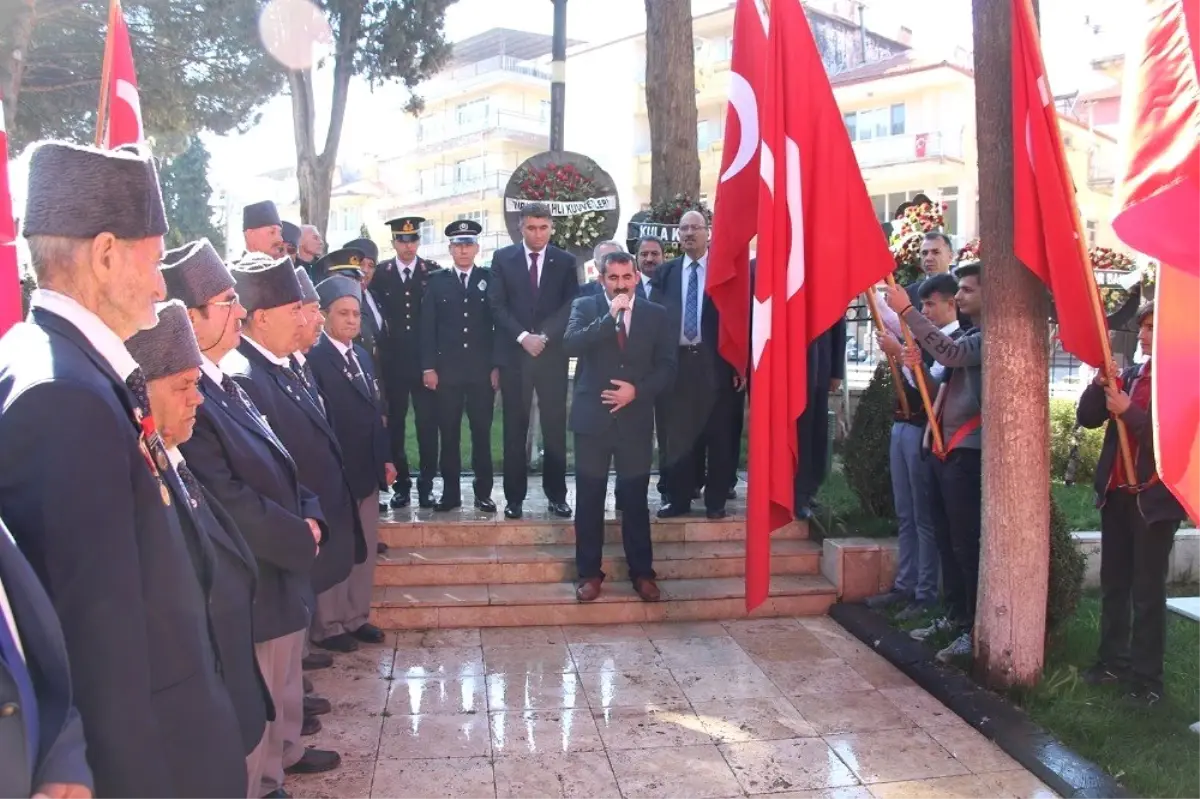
(533, 272)
(621, 335)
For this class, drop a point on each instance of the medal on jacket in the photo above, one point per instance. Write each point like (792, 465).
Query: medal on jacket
(148, 439)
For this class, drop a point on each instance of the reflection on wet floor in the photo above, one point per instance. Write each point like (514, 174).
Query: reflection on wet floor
(774, 706)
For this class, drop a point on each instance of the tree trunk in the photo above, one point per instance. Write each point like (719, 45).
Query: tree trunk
(671, 100)
(1014, 561)
(22, 35)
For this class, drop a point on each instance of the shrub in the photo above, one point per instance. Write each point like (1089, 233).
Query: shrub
(865, 454)
(1063, 436)
(1067, 565)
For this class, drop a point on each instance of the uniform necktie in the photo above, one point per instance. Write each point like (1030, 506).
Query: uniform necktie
(407, 274)
(463, 275)
(533, 270)
(691, 305)
(356, 373)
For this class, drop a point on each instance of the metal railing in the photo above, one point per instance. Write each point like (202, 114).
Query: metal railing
(908, 148)
(492, 120)
(499, 63)
(490, 184)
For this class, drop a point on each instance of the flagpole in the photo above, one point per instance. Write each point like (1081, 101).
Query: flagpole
(106, 72)
(919, 374)
(897, 384)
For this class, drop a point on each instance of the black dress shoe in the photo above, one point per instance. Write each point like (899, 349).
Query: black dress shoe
(513, 510)
(369, 634)
(278, 793)
(338, 643)
(315, 761)
(316, 706)
(310, 726)
(381, 548)
(485, 504)
(445, 505)
(560, 509)
(426, 501)
(316, 660)
(400, 499)
(672, 510)
(719, 513)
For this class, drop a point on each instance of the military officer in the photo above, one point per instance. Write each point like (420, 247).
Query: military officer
(263, 229)
(458, 363)
(398, 285)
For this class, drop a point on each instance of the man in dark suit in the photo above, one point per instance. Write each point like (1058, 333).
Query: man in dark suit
(264, 369)
(263, 229)
(239, 460)
(458, 360)
(703, 397)
(533, 284)
(346, 377)
(650, 256)
(826, 370)
(170, 359)
(41, 745)
(398, 285)
(626, 349)
(114, 559)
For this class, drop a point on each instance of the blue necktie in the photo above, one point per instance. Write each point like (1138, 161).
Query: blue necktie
(691, 306)
(11, 657)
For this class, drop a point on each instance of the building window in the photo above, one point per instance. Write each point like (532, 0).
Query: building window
(898, 119)
(950, 198)
(472, 113)
(468, 170)
(428, 128)
(851, 121)
(475, 216)
(544, 110)
(1091, 232)
(704, 133)
(428, 232)
(876, 123)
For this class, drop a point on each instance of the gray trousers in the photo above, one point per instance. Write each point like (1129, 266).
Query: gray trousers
(280, 747)
(917, 559)
(345, 607)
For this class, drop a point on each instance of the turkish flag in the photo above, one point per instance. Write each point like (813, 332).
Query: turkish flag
(819, 246)
(735, 209)
(8, 226)
(10, 280)
(124, 103)
(1158, 205)
(1045, 216)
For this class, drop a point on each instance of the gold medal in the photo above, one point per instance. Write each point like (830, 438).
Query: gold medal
(166, 494)
(160, 458)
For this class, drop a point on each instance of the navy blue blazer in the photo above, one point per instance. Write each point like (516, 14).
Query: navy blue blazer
(313, 445)
(666, 289)
(356, 414)
(116, 564)
(515, 307)
(252, 476)
(648, 361)
(61, 755)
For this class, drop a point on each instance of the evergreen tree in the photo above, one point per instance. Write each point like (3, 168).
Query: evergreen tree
(186, 195)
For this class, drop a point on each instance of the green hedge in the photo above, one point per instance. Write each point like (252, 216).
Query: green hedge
(865, 459)
(1063, 436)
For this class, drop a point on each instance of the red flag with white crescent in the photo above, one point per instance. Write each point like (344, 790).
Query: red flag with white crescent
(8, 226)
(10, 280)
(124, 102)
(819, 246)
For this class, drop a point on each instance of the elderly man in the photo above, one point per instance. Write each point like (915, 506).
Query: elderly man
(291, 238)
(114, 559)
(263, 229)
(308, 249)
(373, 328)
(310, 329)
(346, 376)
(171, 360)
(238, 458)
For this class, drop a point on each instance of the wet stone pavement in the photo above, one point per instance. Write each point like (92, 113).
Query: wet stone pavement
(704, 710)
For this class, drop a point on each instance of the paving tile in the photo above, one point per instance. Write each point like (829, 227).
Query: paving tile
(524, 691)
(920, 706)
(444, 778)
(642, 687)
(1017, 785)
(697, 772)
(740, 720)
(850, 711)
(972, 748)
(570, 775)
(603, 633)
(522, 636)
(353, 735)
(763, 767)
(701, 652)
(815, 676)
(444, 661)
(532, 732)
(684, 629)
(438, 695)
(849, 792)
(438, 637)
(724, 682)
(649, 728)
(435, 735)
(352, 778)
(620, 656)
(548, 659)
(894, 755)
(937, 788)
(367, 694)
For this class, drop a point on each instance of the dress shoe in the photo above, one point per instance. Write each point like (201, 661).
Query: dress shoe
(314, 761)
(445, 505)
(338, 643)
(369, 634)
(485, 504)
(308, 686)
(426, 500)
(588, 589)
(560, 509)
(316, 660)
(278, 793)
(383, 506)
(381, 548)
(316, 705)
(513, 510)
(310, 726)
(647, 589)
(670, 511)
(719, 513)
(400, 499)
(732, 493)
(804, 513)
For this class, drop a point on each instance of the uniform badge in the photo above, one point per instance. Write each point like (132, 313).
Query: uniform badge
(482, 286)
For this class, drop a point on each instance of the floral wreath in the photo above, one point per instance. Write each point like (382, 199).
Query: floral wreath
(564, 183)
(669, 212)
(907, 234)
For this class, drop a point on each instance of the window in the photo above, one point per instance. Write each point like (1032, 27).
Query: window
(704, 133)
(894, 201)
(428, 233)
(428, 179)
(428, 128)
(876, 123)
(468, 170)
(1091, 232)
(851, 121)
(476, 216)
(473, 113)
(544, 110)
(898, 119)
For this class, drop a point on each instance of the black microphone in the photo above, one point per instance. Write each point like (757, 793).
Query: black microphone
(621, 318)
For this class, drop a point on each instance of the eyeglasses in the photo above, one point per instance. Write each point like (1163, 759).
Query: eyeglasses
(691, 228)
(225, 303)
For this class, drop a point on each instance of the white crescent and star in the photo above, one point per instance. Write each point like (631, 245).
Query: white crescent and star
(128, 94)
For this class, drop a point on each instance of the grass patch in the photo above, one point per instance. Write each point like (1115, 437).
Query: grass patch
(1078, 505)
(841, 514)
(1151, 751)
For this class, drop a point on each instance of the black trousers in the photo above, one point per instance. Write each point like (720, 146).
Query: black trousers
(547, 375)
(698, 422)
(812, 434)
(662, 409)
(402, 390)
(632, 456)
(955, 498)
(1134, 557)
(478, 401)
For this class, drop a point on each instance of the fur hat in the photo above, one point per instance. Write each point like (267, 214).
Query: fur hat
(264, 282)
(291, 233)
(308, 292)
(332, 289)
(368, 248)
(260, 214)
(194, 273)
(169, 347)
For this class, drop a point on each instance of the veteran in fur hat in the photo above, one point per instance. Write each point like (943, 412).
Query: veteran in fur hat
(263, 229)
(132, 593)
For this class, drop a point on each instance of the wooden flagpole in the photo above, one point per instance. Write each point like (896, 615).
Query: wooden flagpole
(897, 382)
(919, 374)
(106, 72)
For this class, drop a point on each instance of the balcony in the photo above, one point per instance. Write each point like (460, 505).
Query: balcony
(481, 186)
(533, 130)
(496, 68)
(908, 149)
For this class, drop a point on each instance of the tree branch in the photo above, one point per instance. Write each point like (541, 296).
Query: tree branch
(343, 70)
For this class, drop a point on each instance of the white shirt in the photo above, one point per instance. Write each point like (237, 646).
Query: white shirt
(683, 288)
(300, 359)
(270, 356)
(339, 346)
(174, 456)
(645, 282)
(99, 335)
(211, 369)
(401, 266)
(7, 613)
(458, 273)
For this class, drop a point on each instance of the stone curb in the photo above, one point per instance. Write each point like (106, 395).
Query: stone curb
(1065, 772)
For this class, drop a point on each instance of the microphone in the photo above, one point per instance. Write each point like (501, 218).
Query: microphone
(621, 318)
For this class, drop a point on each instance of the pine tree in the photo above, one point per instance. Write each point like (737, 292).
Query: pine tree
(186, 195)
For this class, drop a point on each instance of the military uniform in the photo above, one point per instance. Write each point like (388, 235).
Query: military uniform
(399, 297)
(458, 343)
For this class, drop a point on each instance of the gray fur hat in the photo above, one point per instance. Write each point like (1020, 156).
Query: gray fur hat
(263, 282)
(332, 289)
(194, 273)
(80, 192)
(261, 214)
(308, 292)
(169, 347)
